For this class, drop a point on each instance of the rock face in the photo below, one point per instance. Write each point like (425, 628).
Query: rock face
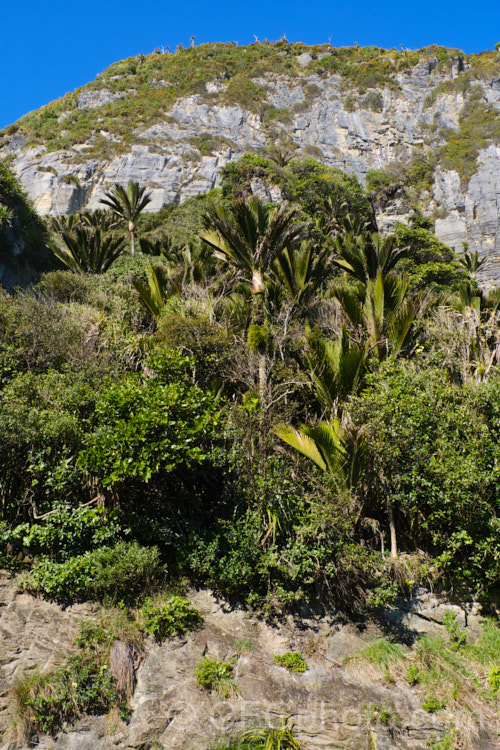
(33, 634)
(323, 119)
(331, 705)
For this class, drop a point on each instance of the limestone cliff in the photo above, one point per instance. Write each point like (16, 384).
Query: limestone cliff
(172, 121)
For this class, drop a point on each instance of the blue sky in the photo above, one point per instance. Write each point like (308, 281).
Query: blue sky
(52, 47)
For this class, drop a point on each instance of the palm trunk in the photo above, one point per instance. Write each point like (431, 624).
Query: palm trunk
(392, 529)
(258, 319)
(262, 378)
(132, 242)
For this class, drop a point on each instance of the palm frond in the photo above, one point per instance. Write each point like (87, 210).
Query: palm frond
(152, 296)
(302, 442)
(87, 250)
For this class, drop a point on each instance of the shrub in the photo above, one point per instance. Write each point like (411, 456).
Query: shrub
(377, 179)
(244, 92)
(292, 661)
(82, 685)
(27, 231)
(65, 533)
(433, 454)
(373, 101)
(317, 188)
(143, 427)
(237, 176)
(215, 676)
(382, 594)
(63, 286)
(123, 572)
(479, 126)
(493, 678)
(432, 704)
(457, 636)
(173, 617)
(41, 333)
(413, 675)
(211, 348)
(45, 702)
(41, 423)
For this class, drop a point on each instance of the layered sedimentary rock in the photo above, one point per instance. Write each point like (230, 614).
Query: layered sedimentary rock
(354, 131)
(332, 705)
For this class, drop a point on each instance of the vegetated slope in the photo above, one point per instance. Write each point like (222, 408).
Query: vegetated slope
(300, 425)
(427, 118)
(23, 235)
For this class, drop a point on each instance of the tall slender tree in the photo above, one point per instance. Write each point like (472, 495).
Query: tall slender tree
(127, 204)
(250, 235)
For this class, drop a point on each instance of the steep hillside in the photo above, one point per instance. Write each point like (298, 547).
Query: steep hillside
(428, 121)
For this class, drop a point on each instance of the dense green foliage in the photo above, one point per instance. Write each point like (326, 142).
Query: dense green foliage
(479, 127)
(135, 446)
(267, 419)
(120, 573)
(21, 229)
(262, 401)
(434, 447)
(215, 676)
(171, 617)
(317, 189)
(293, 661)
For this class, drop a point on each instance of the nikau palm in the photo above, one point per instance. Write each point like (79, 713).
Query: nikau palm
(250, 236)
(127, 204)
(384, 312)
(87, 250)
(335, 368)
(154, 295)
(339, 450)
(365, 256)
(300, 271)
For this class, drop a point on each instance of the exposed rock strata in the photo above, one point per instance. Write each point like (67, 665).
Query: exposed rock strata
(337, 124)
(331, 705)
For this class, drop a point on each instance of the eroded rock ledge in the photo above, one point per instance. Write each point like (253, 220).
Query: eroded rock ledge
(332, 706)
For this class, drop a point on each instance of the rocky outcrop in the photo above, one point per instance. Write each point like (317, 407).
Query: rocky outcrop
(34, 634)
(473, 212)
(332, 705)
(342, 128)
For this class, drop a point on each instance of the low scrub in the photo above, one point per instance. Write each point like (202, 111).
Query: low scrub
(84, 684)
(215, 676)
(292, 661)
(174, 616)
(447, 672)
(123, 572)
